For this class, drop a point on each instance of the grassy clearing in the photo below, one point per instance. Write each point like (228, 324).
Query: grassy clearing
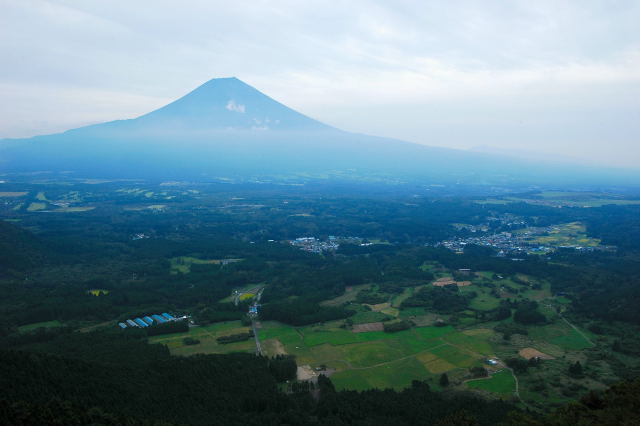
(455, 356)
(348, 296)
(495, 201)
(476, 344)
(207, 336)
(572, 341)
(12, 194)
(501, 382)
(406, 293)
(429, 266)
(34, 207)
(44, 324)
(74, 209)
(484, 301)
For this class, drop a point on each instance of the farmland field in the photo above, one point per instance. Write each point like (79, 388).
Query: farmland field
(501, 383)
(207, 336)
(367, 359)
(564, 199)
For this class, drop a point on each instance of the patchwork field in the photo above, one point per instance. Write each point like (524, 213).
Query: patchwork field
(359, 355)
(566, 234)
(375, 358)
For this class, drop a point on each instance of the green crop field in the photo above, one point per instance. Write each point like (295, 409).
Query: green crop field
(395, 375)
(501, 382)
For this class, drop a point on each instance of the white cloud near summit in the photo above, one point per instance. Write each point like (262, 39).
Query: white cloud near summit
(558, 77)
(233, 106)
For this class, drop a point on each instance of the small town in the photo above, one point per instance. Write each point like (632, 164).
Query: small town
(532, 240)
(332, 243)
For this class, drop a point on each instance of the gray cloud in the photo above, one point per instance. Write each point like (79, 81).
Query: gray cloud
(561, 77)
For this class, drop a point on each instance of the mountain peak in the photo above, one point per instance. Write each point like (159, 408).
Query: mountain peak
(229, 104)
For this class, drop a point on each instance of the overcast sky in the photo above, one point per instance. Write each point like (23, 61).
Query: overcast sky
(556, 77)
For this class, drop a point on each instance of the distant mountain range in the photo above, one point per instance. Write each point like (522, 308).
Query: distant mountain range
(226, 128)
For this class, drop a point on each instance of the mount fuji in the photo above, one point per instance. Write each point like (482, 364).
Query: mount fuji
(227, 128)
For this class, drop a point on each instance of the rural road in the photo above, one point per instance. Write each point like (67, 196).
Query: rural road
(253, 324)
(255, 335)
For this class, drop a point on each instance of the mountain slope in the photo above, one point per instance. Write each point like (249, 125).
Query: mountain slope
(227, 128)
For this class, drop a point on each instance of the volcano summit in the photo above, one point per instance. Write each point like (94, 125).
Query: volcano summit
(227, 128)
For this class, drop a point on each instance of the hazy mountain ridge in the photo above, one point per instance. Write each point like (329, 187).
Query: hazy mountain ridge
(226, 127)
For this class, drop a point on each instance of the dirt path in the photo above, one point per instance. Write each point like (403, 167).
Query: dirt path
(257, 339)
(517, 391)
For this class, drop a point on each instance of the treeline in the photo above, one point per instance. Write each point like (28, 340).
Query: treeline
(168, 328)
(232, 338)
(303, 312)
(71, 387)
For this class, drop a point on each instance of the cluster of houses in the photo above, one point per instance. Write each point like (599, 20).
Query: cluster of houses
(314, 245)
(147, 321)
(332, 243)
(508, 243)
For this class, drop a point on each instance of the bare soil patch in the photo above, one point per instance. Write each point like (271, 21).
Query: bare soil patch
(441, 282)
(274, 347)
(305, 372)
(370, 326)
(529, 353)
